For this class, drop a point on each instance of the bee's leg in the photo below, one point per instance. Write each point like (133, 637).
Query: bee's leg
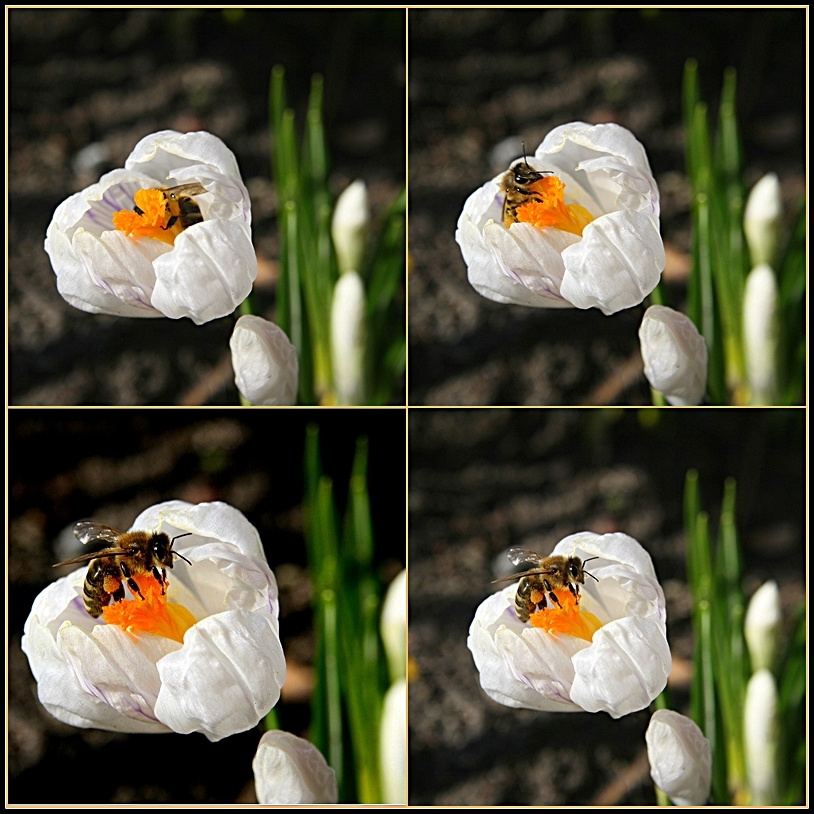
(170, 223)
(138, 211)
(160, 578)
(131, 583)
(116, 596)
(574, 588)
(552, 596)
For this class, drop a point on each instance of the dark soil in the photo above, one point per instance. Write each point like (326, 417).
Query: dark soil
(482, 481)
(110, 465)
(483, 81)
(86, 85)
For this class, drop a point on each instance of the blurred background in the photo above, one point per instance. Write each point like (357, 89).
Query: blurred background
(85, 85)
(108, 466)
(482, 481)
(481, 81)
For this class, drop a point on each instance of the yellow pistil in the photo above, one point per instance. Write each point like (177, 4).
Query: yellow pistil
(153, 614)
(568, 619)
(551, 209)
(152, 221)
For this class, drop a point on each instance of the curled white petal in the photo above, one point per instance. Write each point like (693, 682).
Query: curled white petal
(680, 758)
(348, 338)
(289, 770)
(393, 744)
(761, 737)
(762, 218)
(762, 626)
(674, 354)
(264, 361)
(349, 226)
(760, 333)
(205, 275)
(223, 678)
(620, 256)
(394, 626)
(622, 670)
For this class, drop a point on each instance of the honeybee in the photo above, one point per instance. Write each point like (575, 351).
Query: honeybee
(551, 573)
(517, 185)
(181, 206)
(132, 553)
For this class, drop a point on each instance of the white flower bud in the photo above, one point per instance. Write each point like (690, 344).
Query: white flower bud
(393, 744)
(760, 333)
(680, 758)
(264, 361)
(202, 272)
(600, 248)
(762, 219)
(289, 771)
(760, 735)
(350, 226)
(762, 626)
(674, 354)
(394, 626)
(348, 336)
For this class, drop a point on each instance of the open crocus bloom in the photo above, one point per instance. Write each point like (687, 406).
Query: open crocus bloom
(589, 239)
(217, 668)
(150, 266)
(290, 770)
(265, 362)
(674, 354)
(680, 758)
(619, 667)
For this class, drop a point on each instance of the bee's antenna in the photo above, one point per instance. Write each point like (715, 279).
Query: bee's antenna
(586, 572)
(525, 160)
(185, 534)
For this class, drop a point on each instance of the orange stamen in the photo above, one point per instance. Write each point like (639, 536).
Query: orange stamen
(153, 614)
(152, 221)
(551, 209)
(568, 619)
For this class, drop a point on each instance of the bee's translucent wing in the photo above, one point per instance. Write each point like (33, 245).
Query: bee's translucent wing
(93, 555)
(518, 555)
(187, 189)
(88, 531)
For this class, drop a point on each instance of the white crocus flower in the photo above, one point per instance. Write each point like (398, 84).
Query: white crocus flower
(674, 354)
(614, 655)
(762, 218)
(596, 241)
(762, 626)
(394, 626)
(349, 226)
(202, 272)
(761, 737)
(348, 338)
(265, 362)
(214, 663)
(393, 744)
(760, 333)
(680, 758)
(289, 770)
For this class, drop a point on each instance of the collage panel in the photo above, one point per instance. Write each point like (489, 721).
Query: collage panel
(659, 560)
(248, 583)
(607, 206)
(206, 206)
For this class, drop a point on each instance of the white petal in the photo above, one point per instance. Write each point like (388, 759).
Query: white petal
(264, 361)
(680, 758)
(761, 737)
(674, 354)
(349, 226)
(393, 626)
(289, 770)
